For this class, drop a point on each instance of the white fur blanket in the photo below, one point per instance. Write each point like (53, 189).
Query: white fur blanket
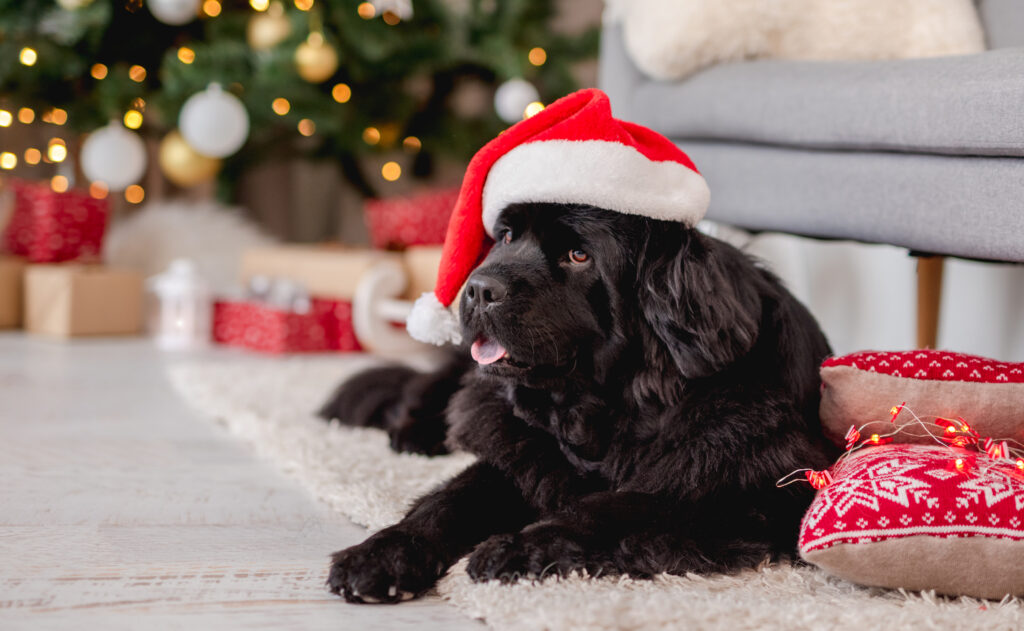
(269, 403)
(671, 39)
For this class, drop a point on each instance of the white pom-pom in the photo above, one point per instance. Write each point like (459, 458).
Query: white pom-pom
(433, 323)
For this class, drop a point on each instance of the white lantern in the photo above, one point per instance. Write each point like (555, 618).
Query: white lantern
(180, 308)
(114, 156)
(214, 122)
(174, 12)
(512, 97)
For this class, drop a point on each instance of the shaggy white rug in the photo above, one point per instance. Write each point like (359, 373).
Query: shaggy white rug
(270, 403)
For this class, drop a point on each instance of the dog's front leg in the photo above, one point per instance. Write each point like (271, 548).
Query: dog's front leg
(405, 560)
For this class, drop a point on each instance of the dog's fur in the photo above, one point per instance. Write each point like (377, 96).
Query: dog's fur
(653, 395)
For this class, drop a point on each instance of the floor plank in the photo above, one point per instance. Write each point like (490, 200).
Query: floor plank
(120, 509)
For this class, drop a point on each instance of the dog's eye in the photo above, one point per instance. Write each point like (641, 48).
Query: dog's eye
(506, 236)
(578, 256)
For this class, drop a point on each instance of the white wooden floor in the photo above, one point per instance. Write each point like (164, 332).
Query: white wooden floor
(120, 509)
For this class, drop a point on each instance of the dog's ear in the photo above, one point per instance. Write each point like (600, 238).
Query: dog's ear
(698, 297)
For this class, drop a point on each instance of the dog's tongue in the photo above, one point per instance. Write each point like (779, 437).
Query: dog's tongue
(487, 351)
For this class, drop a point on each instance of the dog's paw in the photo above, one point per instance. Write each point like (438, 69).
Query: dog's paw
(389, 567)
(532, 554)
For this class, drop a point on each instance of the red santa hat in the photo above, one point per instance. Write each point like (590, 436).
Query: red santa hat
(571, 152)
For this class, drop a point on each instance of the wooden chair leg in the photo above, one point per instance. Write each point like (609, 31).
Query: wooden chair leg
(929, 296)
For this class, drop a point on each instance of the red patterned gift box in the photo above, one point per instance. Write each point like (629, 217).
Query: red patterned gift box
(49, 227)
(421, 219)
(326, 327)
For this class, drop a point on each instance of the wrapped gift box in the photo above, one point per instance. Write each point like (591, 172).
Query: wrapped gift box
(398, 222)
(48, 227)
(331, 273)
(69, 300)
(12, 268)
(421, 264)
(327, 326)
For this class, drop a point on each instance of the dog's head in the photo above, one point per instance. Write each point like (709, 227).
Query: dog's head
(569, 287)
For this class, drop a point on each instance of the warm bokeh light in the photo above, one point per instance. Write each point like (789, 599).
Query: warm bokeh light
(533, 108)
(8, 160)
(58, 116)
(59, 183)
(366, 11)
(371, 135)
(412, 143)
(137, 73)
(281, 106)
(212, 9)
(138, 103)
(341, 93)
(303, 5)
(391, 18)
(537, 56)
(133, 119)
(98, 190)
(56, 150)
(134, 194)
(27, 56)
(259, 5)
(98, 71)
(26, 115)
(6, 118)
(186, 55)
(391, 171)
(33, 155)
(307, 127)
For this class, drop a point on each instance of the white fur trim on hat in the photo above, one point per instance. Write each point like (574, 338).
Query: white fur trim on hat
(597, 172)
(430, 322)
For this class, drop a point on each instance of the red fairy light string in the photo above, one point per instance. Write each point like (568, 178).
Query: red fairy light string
(957, 435)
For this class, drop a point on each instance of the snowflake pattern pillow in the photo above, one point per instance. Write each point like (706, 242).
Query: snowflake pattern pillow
(906, 516)
(863, 386)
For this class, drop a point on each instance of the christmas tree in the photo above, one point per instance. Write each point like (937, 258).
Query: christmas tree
(332, 79)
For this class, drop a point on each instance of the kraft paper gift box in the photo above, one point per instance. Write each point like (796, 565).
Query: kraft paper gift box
(421, 264)
(12, 268)
(330, 273)
(70, 300)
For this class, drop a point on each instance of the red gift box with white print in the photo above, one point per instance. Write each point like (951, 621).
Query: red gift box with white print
(421, 219)
(327, 326)
(49, 227)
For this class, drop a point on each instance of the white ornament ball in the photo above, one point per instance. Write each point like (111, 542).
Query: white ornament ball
(115, 156)
(512, 97)
(214, 122)
(174, 12)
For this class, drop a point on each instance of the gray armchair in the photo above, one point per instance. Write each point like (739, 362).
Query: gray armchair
(927, 154)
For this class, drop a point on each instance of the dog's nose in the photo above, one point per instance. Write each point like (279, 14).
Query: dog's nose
(485, 290)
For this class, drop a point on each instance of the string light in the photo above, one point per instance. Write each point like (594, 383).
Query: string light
(412, 144)
(391, 18)
(259, 5)
(533, 109)
(8, 160)
(895, 411)
(959, 464)
(852, 437)
(59, 183)
(818, 479)
(1020, 463)
(134, 194)
(133, 119)
(281, 106)
(341, 93)
(303, 5)
(212, 9)
(537, 56)
(371, 135)
(391, 171)
(366, 11)
(28, 56)
(137, 73)
(6, 118)
(26, 115)
(307, 127)
(33, 155)
(186, 55)
(98, 72)
(56, 150)
(98, 190)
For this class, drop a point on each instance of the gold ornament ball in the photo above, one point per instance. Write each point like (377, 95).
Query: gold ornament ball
(268, 28)
(315, 59)
(182, 164)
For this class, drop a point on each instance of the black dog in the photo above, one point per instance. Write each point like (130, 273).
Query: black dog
(639, 389)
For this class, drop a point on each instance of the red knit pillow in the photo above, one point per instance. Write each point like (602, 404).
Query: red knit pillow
(863, 386)
(908, 516)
